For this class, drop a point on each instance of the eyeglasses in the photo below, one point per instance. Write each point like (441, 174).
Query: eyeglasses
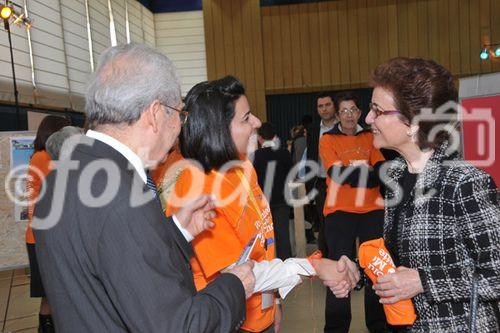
(379, 111)
(183, 115)
(350, 111)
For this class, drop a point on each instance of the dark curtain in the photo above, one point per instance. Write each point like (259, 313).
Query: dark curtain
(10, 122)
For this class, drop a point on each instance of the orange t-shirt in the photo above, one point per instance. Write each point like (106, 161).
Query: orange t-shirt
(239, 218)
(162, 169)
(343, 149)
(39, 168)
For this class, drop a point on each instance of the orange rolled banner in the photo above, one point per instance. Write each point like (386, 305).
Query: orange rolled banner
(376, 261)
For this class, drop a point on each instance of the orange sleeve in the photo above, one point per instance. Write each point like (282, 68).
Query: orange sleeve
(218, 247)
(327, 153)
(39, 168)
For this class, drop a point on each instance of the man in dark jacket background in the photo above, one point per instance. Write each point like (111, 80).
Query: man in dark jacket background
(272, 164)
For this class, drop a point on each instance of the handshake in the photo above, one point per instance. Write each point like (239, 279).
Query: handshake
(340, 276)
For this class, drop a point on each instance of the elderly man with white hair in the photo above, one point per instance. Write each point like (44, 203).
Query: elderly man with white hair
(109, 258)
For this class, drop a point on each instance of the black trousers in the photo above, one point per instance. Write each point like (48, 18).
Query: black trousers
(281, 224)
(320, 203)
(341, 231)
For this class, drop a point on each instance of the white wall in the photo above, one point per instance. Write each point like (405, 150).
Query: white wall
(181, 37)
(479, 85)
(61, 48)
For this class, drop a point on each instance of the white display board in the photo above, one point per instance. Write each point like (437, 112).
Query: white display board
(12, 233)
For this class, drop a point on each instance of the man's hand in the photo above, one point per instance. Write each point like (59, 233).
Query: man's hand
(196, 215)
(340, 276)
(244, 272)
(403, 284)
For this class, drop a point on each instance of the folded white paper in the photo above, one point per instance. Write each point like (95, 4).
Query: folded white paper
(281, 275)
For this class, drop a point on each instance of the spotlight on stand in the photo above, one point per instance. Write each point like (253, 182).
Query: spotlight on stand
(18, 17)
(6, 12)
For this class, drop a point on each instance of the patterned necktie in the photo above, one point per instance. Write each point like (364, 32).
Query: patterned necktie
(152, 186)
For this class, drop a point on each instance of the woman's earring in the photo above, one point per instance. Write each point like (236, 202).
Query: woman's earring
(411, 133)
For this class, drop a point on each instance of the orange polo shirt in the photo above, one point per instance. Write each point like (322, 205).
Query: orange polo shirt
(239, 218)
(39, 168)
(340, 149)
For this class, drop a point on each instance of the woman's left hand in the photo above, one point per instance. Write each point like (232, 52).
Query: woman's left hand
(403, 284)
(277, 318)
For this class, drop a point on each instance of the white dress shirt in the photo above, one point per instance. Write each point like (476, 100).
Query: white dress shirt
(136, 163)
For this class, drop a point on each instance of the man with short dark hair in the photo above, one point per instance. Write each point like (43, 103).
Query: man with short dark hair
(326, 110)
(272, 164)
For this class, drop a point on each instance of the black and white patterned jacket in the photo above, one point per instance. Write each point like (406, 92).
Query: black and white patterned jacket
(449, 228)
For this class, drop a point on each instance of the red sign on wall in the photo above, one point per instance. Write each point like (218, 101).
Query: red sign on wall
(481, 145)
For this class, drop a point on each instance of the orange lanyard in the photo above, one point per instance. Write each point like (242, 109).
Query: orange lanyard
(251, 196)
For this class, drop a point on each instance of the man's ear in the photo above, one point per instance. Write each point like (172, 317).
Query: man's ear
(152, 115)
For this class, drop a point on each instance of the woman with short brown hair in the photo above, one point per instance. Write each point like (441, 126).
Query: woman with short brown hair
(441, 214)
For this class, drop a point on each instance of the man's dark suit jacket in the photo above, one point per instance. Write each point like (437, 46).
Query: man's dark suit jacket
(283, 163)
(312, 150)
(120, 268)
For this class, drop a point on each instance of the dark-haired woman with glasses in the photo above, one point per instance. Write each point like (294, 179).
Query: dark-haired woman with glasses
(441, 213)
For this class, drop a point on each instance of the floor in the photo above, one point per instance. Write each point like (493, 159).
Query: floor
(303, 307)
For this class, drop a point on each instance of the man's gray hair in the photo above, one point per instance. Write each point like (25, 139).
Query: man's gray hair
(55, 142)
(127, 80)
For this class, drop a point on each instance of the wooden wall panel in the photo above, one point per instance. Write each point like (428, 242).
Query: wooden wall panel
(345, 72)
(392, 12)
(277, 47)
(455, 59)
(352, 46)
(336, 44)
(304, 46)
(464, 37)
(433, 20)
(324, 49)
(286, 43)
(363, 27)
(485, 24)
(234, 46)
(495, 30)
(475, 36)
(295, 51)
(312, 9)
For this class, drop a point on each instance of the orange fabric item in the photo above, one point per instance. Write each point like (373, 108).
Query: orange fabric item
(376, 261)
(39, 168)
(315, 255)
(239, 217)
(162, 168)
(343, 149)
